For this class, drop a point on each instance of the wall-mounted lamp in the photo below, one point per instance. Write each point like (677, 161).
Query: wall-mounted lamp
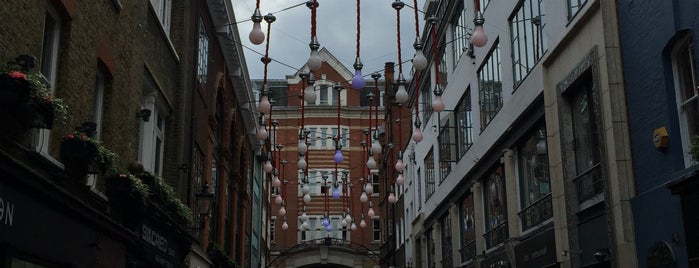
(144, 114)
(204, 199)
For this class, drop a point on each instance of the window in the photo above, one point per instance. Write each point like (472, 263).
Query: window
(364, 101)
(323, 94)
(153, 137)
(574, 6)
(534, 181)
(203, 59)
(443, 69)
(495, 203)
(426, 95)
(429, 173)
(376, 230)
(459, 33)
(490, 87)
(323, 137)
(419, 189)
(464, 125)
(430, 248)
(447, 260)
(528, 38)
(467, 229)
(98, 101)
(588, 179)
(375, 183)
(345, 138)
(687, 85)
(279, 94)
(447, 147)
(313, 138)
(162, 11)
(272, 229)
(49, 65)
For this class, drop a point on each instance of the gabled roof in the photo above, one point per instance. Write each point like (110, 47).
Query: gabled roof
(329, 59)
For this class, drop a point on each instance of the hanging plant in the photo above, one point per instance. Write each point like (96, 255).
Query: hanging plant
(82, 155)
(694, 148)
(26, 96)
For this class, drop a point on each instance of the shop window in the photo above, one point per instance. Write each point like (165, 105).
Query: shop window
(495, 204)
(588, 177)
(534, 181)
(447, 259)
(467, 229)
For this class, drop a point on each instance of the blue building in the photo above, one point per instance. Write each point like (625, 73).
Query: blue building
(659, 58)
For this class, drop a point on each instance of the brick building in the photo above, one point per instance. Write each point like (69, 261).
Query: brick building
(298, 246)
(163, 85)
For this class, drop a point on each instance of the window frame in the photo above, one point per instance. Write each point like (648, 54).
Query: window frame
(163, 12)
(464, 123)
(491, 69)
(447, 146)
(51, 44)
(533, 170)
(520, 30)
(375, 229)
(684, 50)
(203, 53)
(429, 174)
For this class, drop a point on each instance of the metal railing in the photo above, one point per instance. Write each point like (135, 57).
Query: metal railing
(589, 183)
(536, 212)
(496, 235)
(468, 252)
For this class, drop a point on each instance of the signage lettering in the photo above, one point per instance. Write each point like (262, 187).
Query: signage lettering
(7, 212)
(153, 238)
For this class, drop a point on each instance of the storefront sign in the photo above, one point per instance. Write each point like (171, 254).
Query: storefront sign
(7, 212)
(156, 240)
(537, 251)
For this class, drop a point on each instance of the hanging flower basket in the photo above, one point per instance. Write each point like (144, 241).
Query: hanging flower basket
(14, 89)
(127, 197)
(39, 115)
(26, 100)
(77, 154)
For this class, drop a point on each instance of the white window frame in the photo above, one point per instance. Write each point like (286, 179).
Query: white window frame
(151, 131)
(49, 68)
(163, 10)
(684, 45)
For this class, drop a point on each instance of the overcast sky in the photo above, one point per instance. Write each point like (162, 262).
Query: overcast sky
(336, 31)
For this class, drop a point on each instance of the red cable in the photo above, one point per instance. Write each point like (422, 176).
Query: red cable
(478, 5)
(417, 25)
(400, 62)
(358, 21)
(266, 59)
(257, 4)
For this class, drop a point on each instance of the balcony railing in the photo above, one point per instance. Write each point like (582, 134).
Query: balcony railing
(536, 212)
(448, 261)
(589, 183)
(468, 252)
(496, 235)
